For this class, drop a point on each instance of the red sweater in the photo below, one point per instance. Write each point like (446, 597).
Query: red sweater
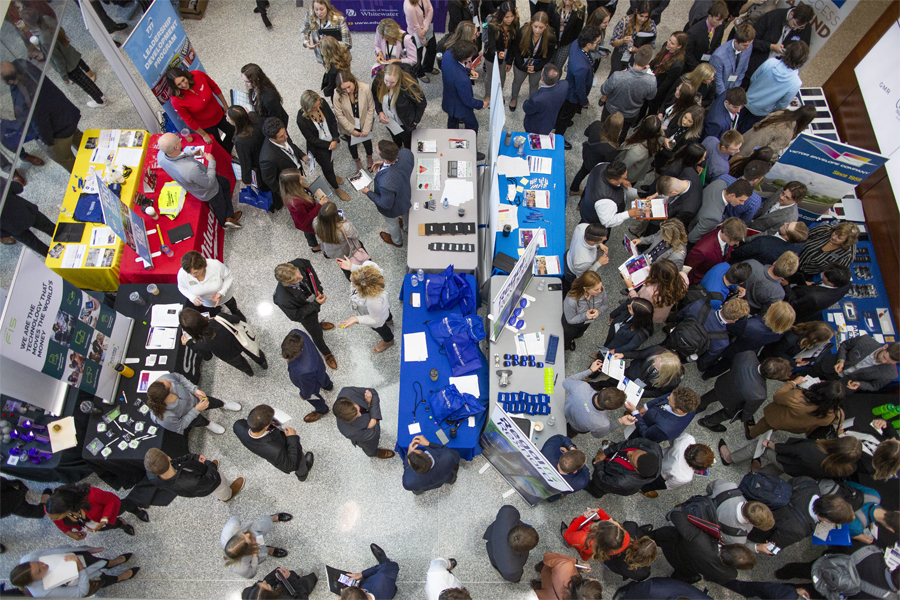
(103, 504)
(198, 106)
(303, 214)
(576, 536)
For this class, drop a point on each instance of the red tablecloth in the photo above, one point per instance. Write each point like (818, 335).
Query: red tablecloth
(208, 237)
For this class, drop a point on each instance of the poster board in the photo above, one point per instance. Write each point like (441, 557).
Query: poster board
(828, 16)
(511, 290)
(497, 123)
(519, 461)
(125, 223)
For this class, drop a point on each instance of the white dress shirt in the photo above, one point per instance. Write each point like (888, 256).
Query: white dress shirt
(581, 256)
(440, 579)
(675, 469)
(219, 279)
(606, 212)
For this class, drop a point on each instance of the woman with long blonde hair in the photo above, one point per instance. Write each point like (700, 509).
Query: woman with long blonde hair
(399, 99)
(335, 58)
(319, 127)
(322, 21)
(534, 47)
(703, 80)
(393, 45)
(670, 242)
(369, 299)
(301, 203)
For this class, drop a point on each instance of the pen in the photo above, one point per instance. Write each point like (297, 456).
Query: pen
(555, 379)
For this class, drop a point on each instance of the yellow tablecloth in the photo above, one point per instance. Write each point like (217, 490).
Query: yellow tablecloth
(102, 278)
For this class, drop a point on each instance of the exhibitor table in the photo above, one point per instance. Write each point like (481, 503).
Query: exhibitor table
(105, 277)
(419, 256)
(207, 237)
(555, 183)
(544, 316)
(411, 409)
(127, 466)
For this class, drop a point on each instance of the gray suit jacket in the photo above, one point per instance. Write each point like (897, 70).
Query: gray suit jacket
(768, 223)
(727, 513)
(711, 211)
(851, 352)
(356, 430)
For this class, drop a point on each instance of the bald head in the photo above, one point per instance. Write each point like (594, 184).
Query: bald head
(170, 144)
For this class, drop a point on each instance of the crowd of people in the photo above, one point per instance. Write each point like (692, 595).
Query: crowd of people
(737, 284)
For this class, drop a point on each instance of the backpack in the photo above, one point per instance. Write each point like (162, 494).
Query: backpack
(772, 491)
(835, 575)
(702, 512)
(855, 497)
(689, 337)
(698, 292)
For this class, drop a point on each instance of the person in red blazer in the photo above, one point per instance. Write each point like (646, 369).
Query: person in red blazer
(194, 97)
(78, 508)
(715, 247)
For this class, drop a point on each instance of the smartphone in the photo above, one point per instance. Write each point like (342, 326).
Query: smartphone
(773, 548)
(442, 436)
(554, 287)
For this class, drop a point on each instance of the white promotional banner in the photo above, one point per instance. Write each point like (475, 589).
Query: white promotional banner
(512, 288)
(829, 14)
(879, 84)
(497, 122)
(54, 328)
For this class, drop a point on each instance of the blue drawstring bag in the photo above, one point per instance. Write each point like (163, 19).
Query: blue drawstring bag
(455, 324)
(446, 290)
(463, 354)
(254, 197)
(88, 209)
(434, 288)
(449, 404)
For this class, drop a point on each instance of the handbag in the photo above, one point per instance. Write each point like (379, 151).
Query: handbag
(357, 255)
(244, 334)
(253, 196)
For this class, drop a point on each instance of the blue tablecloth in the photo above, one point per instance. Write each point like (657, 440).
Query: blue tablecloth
(556, 214)
(466, 441)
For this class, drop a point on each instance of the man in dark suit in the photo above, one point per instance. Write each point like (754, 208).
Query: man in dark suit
(378, 582)
(542, 107)
(861, 363)
(775, 30)
(724, 112)
(742, 389)
(624, 468)
(307, 371)
(278, 444)
(580, 79)
(278, 153)
(660, 588)
(300, 296)
(715, 247)
(458, 101)
(562, 453)
(509, 541)
(767, 248)
(705, 36)
(810, 300)
(190, 476)
(19, 216)
(664, 418)
(358, 412)
(391, 190)
(428, 467)
(779, 208)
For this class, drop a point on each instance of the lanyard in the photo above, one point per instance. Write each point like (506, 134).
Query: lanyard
(534, 46)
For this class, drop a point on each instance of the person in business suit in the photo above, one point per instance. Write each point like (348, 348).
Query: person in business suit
(712, 210)
(793, 525)
(273, 587)
(660, 588)
(705, 36)
(20, 216)
(766, 249)
(562, 453)
(742, 389)
(542, 107)
(210, 337)
(278, 153)
(724, 113)
(625, 467)
(391, 190)
(779, 208)
(509, 541)
(279, 444)
(810, 300)
(737, 516)
(300, 297)
(664, 418)
(861, 363)
(731, 59)
(12, 500)
(190, 476)
(580, 78)
(775, 30)
(428, 468)
(810, 335)
(397, 94)
(458, 101)
(715, 247)
(378, 582)
(307, 371)
(358, 412)
(319, 126)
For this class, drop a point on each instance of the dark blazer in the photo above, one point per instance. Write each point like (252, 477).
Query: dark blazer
(495, 44)
(272, 161)
(594, 150)
(580, 76)
(307, 371)
(710, 215)
(391, 190)
(458, 11)
(268, 104)
(192, 479)
(573, 27)
(282, 451)
(751, 334)
(768, 31)
(552, 451)
(248, 148)
(764, 248)
(445, 461)
(54, 115)
(660, 588)
(718, 119)
(697, 552)
(19, 215)
(329, 83)
(624, 340)
(656, 8)
(510, 564)
(793, 522)
(223, 345)
(314, 143)
(356, 431)
(617, 479)
(12, 496)
(641, 367)
(381, 580)
(768, 222)
(810, 300)
(851, 352)
(705, 255)
(520, 60)
(303, 586)
(801, 456)
(787, 348)
(699, 44)
(685, 205)
(664, 82)
(458, 101)
(542, 107)
(658, 424)
(741, 388)
(763, 589)
(409, 110)
(295, 303)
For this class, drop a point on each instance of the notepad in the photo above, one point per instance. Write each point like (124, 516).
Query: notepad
(415, 347)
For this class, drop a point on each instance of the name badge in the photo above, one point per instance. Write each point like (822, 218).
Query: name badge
(705, 57)
(732, 79)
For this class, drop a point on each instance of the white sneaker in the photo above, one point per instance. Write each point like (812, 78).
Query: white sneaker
(232, 406)
(216, 428)
(92, 104)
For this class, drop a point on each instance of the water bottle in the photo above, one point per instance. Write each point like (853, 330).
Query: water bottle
(886, 411)
(551, 420)
(414, 281)
(421, 274)
(541, 285)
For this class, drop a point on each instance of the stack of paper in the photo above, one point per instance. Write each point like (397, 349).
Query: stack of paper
(458, 191)
(60, 571)
(512, 166)
(415, 347)
(165, 315)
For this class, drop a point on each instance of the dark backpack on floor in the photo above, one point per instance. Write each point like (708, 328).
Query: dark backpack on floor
(772, 491)
(690, 337)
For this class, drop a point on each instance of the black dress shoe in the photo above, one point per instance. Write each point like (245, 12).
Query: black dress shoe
(142, 515)
(453, 564)
(720, 445)
(279, 552)
(378, 553)
(568, 145)
(717, 428)
(645, 529)
(479, 155)
(128, 529)
(284, 517)
(309, 460)
(747, 430)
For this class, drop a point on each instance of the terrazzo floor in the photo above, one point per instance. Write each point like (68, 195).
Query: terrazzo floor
(349, 500)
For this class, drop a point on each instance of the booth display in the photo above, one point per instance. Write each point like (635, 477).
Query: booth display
(443, 233)
(206, 235)
(88, 254)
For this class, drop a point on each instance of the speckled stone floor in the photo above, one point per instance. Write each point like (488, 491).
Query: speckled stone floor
(349, 500)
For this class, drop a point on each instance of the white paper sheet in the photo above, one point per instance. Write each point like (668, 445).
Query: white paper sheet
(165, 315)
(534, 344)
(281, 416)
(73, 257)
(467, 384)
(512, 166)
(129, 157)
(759, 443)
(415, 347)
(414, 428)
(103, 236)
(633, 391)
(457, 191)
(60, 572)
(64, 438)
